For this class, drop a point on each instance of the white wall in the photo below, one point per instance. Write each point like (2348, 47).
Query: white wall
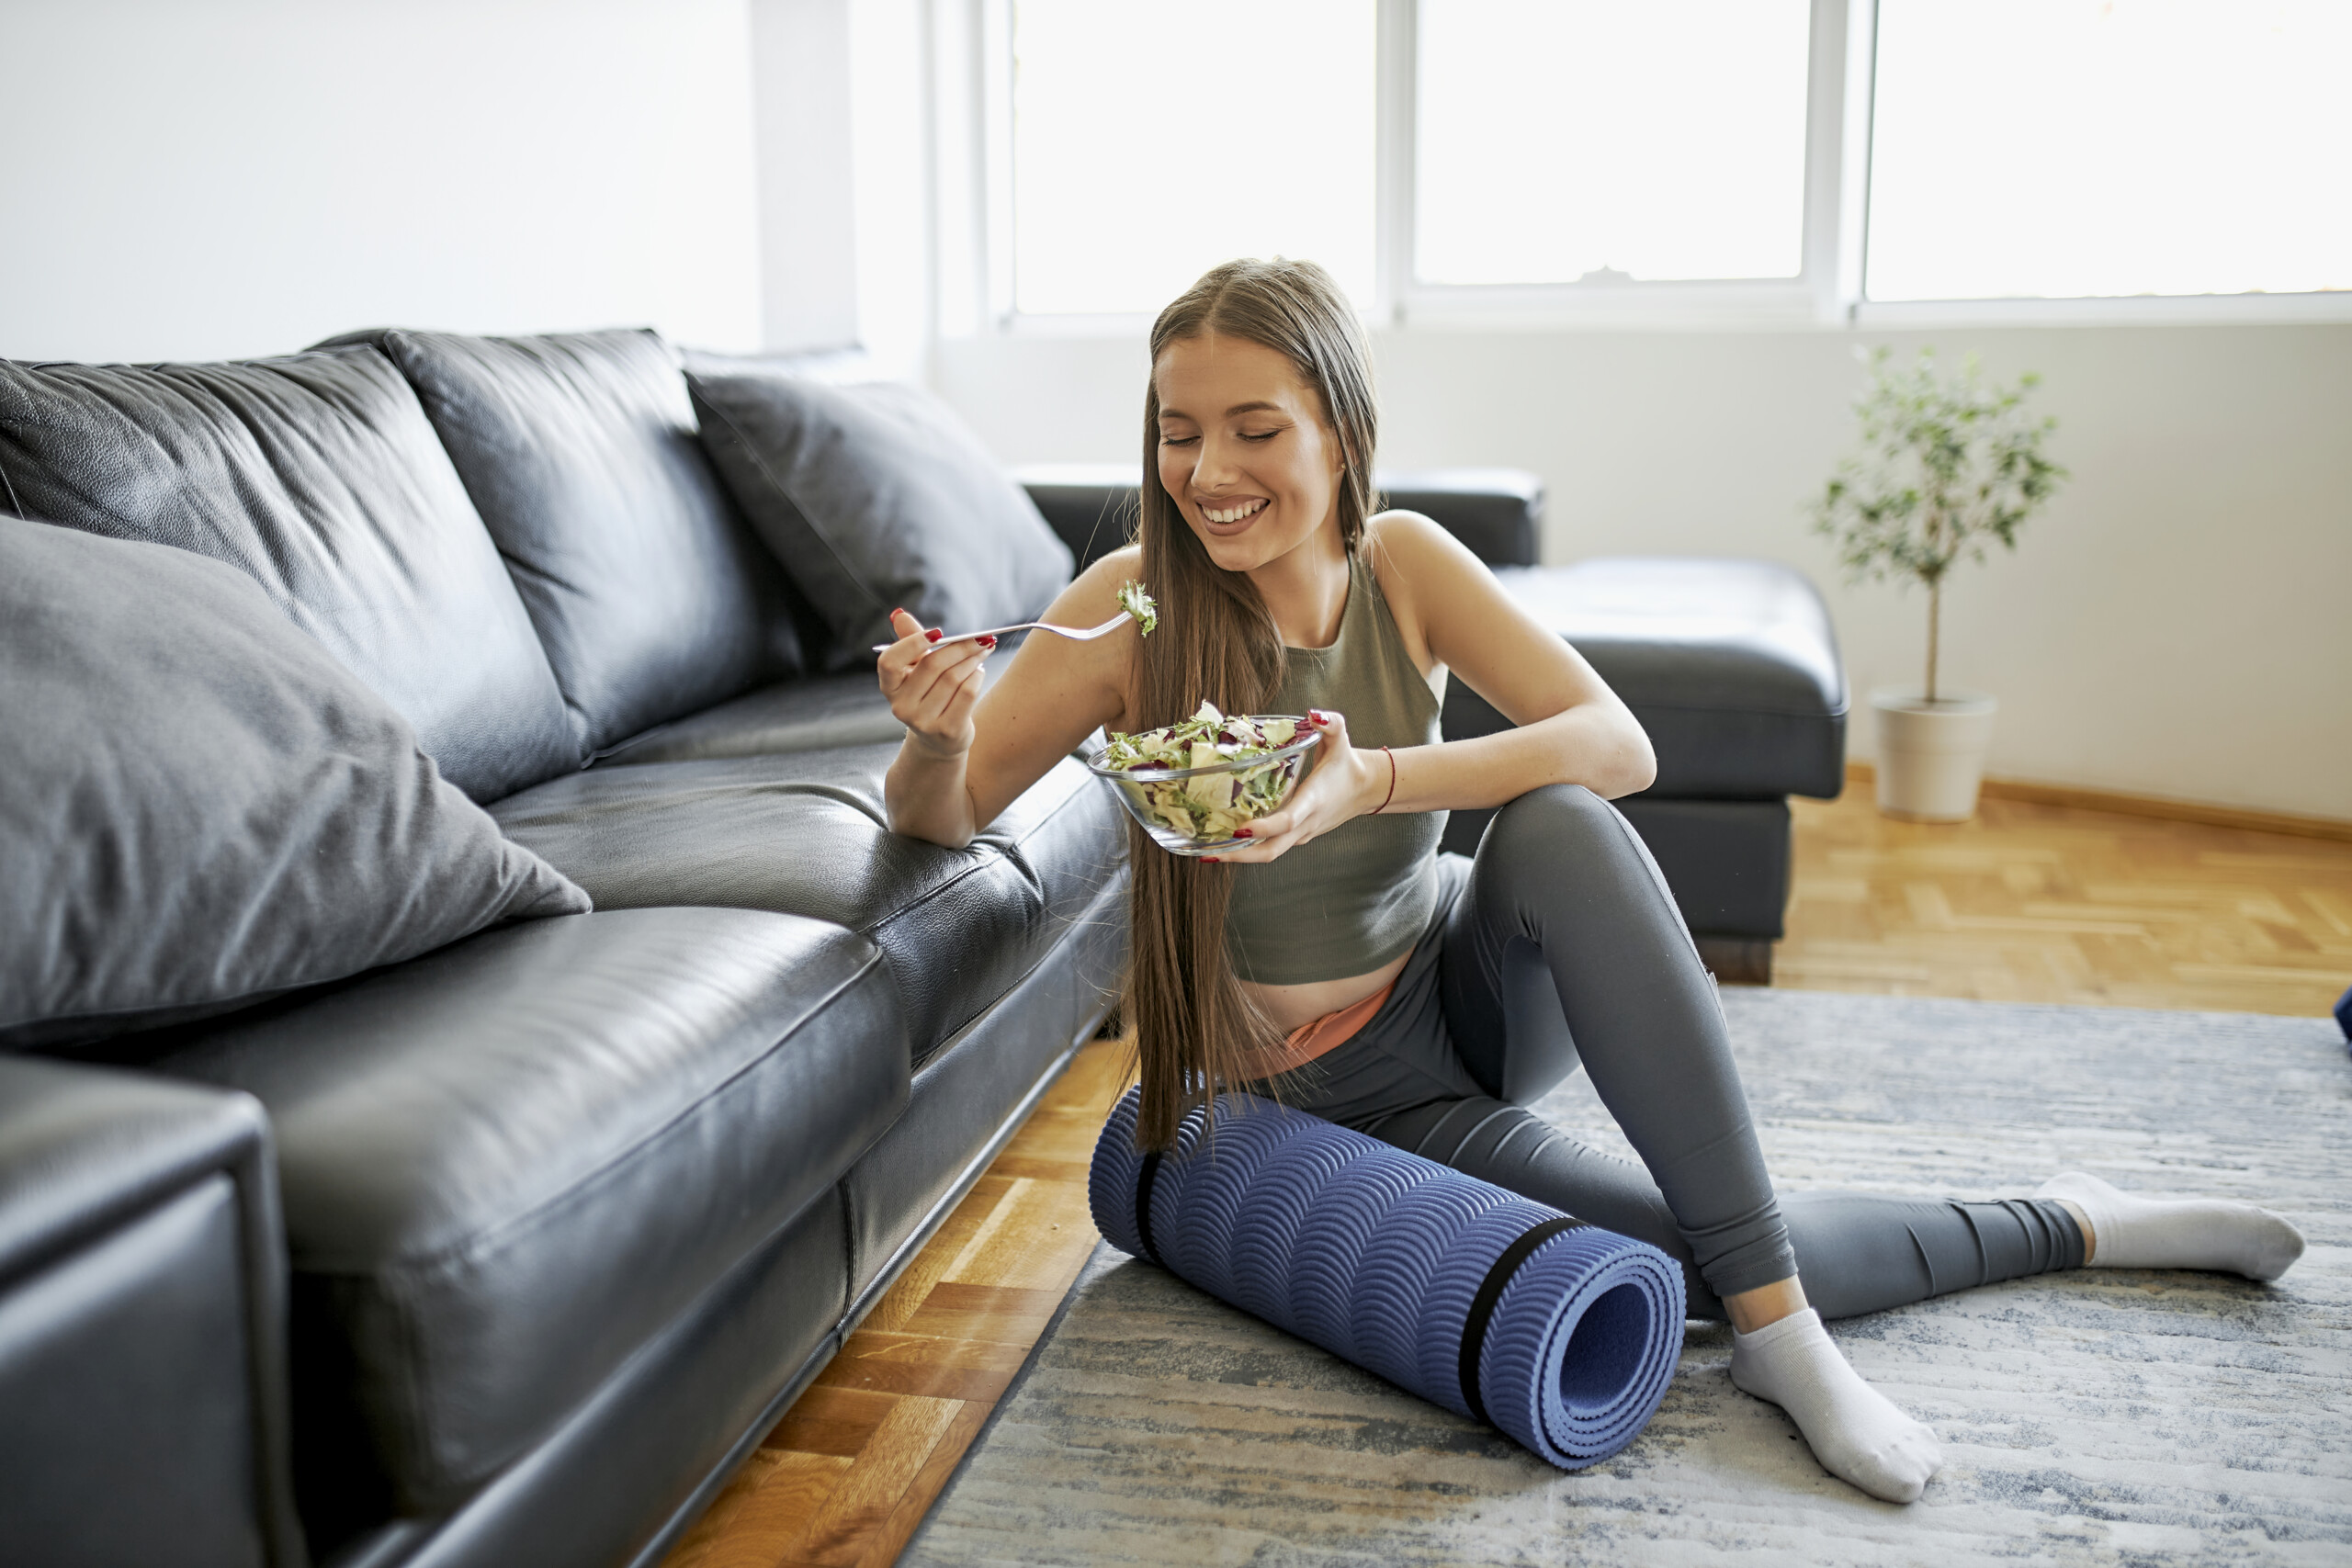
(208, 178)
(2175, 624)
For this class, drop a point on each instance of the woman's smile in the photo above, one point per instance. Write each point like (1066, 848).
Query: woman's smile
(1231, 516)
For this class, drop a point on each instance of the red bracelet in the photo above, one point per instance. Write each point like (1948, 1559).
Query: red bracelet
(1392, 783)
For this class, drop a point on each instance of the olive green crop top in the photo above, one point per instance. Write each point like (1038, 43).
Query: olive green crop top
(1361, 895)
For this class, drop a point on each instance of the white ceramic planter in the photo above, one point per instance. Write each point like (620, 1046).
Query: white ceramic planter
(1931, 755)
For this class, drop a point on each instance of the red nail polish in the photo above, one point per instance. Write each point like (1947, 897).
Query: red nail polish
(1209, 860)
(1243, 833)
(988, 642)
(896, 613)
(934, 634)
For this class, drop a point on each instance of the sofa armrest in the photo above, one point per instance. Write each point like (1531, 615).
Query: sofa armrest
(142, 1323)
(1499, 513)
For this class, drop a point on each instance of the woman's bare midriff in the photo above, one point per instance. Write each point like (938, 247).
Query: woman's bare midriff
(1293, 1007)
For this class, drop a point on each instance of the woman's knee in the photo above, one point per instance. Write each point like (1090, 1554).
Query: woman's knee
(1548, 819)
(1565, 836)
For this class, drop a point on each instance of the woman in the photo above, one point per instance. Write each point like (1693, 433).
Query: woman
(1339, 963)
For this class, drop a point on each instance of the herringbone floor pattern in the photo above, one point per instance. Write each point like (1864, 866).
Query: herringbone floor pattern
(2026, 903)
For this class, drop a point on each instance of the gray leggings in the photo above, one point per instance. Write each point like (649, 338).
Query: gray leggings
(1561, 941)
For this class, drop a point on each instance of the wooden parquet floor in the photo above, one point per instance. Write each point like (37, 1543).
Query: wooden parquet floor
(2028, 903)
(2052, 904)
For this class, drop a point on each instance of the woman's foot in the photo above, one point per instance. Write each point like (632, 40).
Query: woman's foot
(1856, 1432)
(2131, 1232)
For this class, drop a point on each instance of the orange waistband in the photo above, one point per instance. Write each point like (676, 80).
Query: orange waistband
(1320, 1036)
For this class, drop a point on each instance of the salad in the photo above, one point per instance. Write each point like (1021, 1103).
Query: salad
(1136, 603)
(1206, 806)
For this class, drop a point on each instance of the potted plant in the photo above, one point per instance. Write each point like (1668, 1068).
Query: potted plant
(1949, 462)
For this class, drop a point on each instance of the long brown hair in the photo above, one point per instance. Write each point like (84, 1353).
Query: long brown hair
(1195, 1029)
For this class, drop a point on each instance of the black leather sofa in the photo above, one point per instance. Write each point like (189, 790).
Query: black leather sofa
(505, 1255)
(1732, 667)
(509, 1253)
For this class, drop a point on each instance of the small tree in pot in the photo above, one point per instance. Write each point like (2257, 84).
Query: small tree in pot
(1949, 463)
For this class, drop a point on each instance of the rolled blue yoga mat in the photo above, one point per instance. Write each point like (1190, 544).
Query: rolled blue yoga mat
(1564, 1336)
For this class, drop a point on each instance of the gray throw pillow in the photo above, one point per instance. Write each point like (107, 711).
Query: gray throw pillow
(876, 496)
(202, 807)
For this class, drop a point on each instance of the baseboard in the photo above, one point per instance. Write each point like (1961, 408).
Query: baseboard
(2333, 829)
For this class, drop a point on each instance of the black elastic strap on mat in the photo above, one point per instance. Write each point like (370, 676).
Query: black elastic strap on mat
(1143, 1205)
(1482, 1305)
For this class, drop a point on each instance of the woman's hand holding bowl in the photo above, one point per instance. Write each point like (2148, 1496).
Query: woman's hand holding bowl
(1345, 784)
(933, 692)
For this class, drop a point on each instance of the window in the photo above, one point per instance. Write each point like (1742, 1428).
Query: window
(1566, 140)
(2070, 148)
(1151, 143)
(1652, 162)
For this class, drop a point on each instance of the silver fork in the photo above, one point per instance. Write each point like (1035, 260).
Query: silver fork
(1089, 635)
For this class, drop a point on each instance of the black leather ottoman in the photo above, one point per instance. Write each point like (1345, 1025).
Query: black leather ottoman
(1732, 667)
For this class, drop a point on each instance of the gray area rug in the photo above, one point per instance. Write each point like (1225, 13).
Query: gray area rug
(2103, 1416)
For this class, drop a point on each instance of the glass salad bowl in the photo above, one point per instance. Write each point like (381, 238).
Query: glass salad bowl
(1191, 784)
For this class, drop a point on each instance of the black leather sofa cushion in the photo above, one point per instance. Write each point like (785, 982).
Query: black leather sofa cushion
(808, 715)
(652, 598)
(507, 1165)
(142, 1315)
(1497, 512)
(319, 476)
(1730, 665)
(806, 833)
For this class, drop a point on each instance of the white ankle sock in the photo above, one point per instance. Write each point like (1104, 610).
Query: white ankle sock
(1856, 1432)
(2213, 1233)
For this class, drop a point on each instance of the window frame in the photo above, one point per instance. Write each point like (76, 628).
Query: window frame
(1816, 293)
(1830, 290)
